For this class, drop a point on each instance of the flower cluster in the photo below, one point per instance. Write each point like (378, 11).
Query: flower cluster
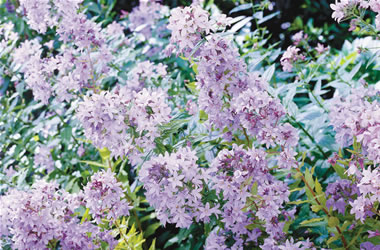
(44, 215)
(290, 57)
(340, 192)
(144, 17)
(298, 37)
(124, 123)
(7, 35)
(369, 188)
(143, 73)
(174, 185)
(242, 177)
(103, 119)
(71, 25)
(190, 24)
(356, 115)
(44, 159)
(79, 64)
(103, 195)
(221, 76)
(346, 9)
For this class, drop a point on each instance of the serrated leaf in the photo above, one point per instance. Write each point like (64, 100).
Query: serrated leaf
(318, 187)
(311, 221)
(333, 221)
(309, 178)
(316, 208)
(298, 202)
(332, 239)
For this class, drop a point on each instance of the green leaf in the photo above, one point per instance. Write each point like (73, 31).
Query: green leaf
(332, 239)
(151, 229)
(66, 134)
(104, 153)
(153, 245)
(318, 187)
(316, 208)
(241, 7)
(86, 215)
(309, 178)
(340, 171)
(333, 222)
(298, 202)
(94, 163)
(311, 221)
(268, 74)
(203, 116)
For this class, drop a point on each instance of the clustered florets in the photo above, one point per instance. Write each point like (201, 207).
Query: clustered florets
(356, 115)
(345, 9)
(45, 214)
(125, 124)
(174, 185)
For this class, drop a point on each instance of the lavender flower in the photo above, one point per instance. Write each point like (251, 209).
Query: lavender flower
(43, 215)
(44, 159)
(104, 196)
(144, 17)
(174, 183)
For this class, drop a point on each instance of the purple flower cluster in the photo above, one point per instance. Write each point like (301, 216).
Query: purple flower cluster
(219, 79)
(290, 57)
(44, 159)
(341, 192)
(250, 193)
(174, 185)
(44, 215)
(126, 123)
(231, 97)
(143, 73)
(103, 195)
(144, 17)
(345, 9)
(190, 24)
(7, 35)
(103, 118)
(369, 188)
(357, 115)
(79, 64)
(71, 25)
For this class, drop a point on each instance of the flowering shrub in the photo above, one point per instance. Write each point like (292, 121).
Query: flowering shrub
(185, 128)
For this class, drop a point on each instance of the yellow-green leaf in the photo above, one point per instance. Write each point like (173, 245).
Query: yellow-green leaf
(318, 187)
(309, 178)
(316, 208)
(104, 153)
(333, 222)
(311, 221)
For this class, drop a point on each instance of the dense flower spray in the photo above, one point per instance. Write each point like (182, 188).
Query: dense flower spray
(174, 185)
(46, 216)
(125, 123)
